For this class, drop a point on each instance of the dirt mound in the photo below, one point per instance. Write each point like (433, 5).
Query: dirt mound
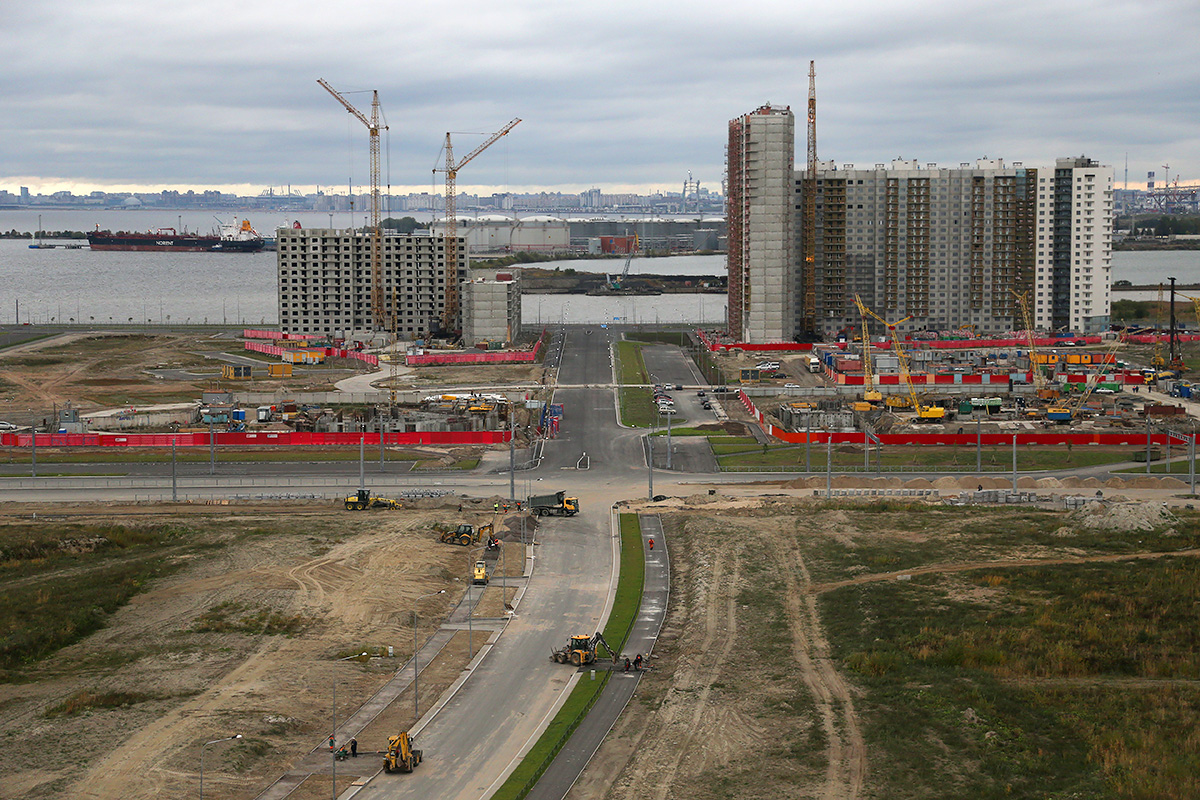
(1115, 483)
(1123, 516)
(1141, 482)
(1026, 482)
(946, 482)
(1049, 483)
(918, 483)
(1091, 483)
(1171, 483)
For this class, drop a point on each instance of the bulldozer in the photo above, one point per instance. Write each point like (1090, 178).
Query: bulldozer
(581, 650)
(400, 755)
(363, 499)
(467, 535)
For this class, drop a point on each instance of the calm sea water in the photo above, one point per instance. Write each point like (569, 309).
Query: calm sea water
(103, 287)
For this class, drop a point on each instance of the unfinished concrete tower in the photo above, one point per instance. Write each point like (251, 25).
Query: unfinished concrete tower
(759, 165)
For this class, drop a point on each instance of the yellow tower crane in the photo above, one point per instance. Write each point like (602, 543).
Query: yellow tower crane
(450, 310)
(924, 413)
(378, 306)
(1041, 387)
(870, 393)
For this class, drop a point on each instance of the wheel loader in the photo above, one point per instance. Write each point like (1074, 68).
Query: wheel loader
(400, 755)
(581, 650)
(467, 535)
(363, 499)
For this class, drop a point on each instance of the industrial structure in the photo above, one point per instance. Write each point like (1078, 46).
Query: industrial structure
(491, 307)
(761, 224)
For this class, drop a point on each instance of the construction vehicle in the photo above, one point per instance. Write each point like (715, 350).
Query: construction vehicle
(581, 650)
(400, 755)
(363, 499)
(1042, 390)
(558, 503)
(870, 393)
(467, 535)
(479, 575)
(924, 413)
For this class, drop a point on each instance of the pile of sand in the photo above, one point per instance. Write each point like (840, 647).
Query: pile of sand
(1123, 516)
(918, 483)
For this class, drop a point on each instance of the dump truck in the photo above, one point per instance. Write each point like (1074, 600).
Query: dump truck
(400, 755)
(557, 503)
(363, 499)
(581, 650)
(467, 535)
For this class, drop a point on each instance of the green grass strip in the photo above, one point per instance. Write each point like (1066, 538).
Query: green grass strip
(586, 692)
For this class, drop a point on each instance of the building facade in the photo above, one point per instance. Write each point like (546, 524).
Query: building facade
(951, 248)
(761, 225)
(325, 279)
(491, 306)
(1074, 246)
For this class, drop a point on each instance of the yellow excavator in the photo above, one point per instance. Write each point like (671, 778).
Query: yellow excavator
(467, 535)
(581, 650)
(400, 755)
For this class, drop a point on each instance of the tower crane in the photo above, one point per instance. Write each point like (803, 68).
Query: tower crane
(378, 307)
(450, 309)
(924, 413)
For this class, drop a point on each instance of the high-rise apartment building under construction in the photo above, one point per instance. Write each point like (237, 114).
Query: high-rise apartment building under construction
(761, 225)
(946, 247)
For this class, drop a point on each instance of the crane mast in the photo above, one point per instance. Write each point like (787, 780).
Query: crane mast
(378, 308)
(808, 223)
(450, 309)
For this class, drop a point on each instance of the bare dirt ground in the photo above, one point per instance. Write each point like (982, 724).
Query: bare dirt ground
(744, 699)
(349, 578)
(101, 369)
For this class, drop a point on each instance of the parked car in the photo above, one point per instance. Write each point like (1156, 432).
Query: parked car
(7, 426)
(791, 386)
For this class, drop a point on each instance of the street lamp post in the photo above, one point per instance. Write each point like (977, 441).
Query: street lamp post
(206, 744)
(333, 734)
(416, 693)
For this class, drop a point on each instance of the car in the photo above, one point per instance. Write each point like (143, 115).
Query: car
(666, 410)
(707, 406)
(7, 426)
(700, 394)
(792, 386)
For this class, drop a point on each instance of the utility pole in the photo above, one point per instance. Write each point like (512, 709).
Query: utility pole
(1014, 462)
(650, 465)
(174, 484)
(512, 457)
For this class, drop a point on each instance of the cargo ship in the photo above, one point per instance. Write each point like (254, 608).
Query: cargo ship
(231, 239)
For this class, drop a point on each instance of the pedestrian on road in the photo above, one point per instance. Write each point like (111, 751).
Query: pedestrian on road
(637, 661)
(353, 747)
(627, 664)
(652, 544)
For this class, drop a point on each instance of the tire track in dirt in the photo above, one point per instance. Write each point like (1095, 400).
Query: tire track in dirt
(720, 629)
(846, 768)
(968, 566)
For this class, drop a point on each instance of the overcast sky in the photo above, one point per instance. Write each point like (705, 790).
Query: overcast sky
(624, 96)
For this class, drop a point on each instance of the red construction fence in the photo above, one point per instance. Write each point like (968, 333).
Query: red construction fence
(1064, 437)
(451, 357)
(253, 333)
(241, 439)
(327, 352)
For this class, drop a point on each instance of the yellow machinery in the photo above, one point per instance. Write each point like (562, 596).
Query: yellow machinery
(581, 650)
(1074, 409)
(363, 499)
(467, 535)
(400, 755)
(870, 393)
(479, 575)
(1042, 389)
(924, 413)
